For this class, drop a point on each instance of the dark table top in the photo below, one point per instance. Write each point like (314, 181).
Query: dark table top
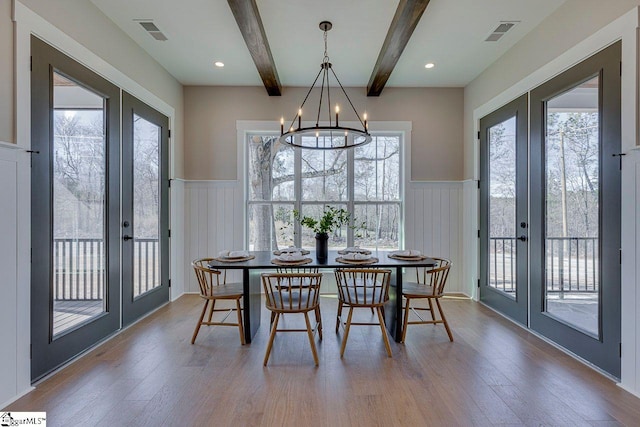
(263, 259)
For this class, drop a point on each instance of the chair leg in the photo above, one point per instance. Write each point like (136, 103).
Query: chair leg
(213, 304)
(444, 320)
(271, 337)
(310, 334)
(204, 310)
(240, 327)
(338, 316)
(384, 332)
(433, 317)
(346, 332)
(405, 324)
(273, 316)
(319, 321)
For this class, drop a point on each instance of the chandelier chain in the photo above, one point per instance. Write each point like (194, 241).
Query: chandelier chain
(326, 53)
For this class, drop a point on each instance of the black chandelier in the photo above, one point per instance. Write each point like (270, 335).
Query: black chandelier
(331, 136)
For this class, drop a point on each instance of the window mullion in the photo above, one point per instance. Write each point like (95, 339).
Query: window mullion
(297, 188)
(350, 194)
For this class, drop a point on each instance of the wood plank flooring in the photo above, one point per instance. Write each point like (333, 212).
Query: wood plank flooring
(493, 374)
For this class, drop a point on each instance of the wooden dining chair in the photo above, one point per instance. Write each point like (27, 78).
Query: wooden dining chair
(429, 285)
(302, 270)
(213, 289)
(362, 288)
(292, 293)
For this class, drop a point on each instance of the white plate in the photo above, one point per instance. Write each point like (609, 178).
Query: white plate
(407, 254)
(291, 258)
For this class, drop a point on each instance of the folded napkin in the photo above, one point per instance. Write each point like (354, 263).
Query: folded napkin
(226, 253)
(409, 252)
(290, 249)
(355, 256)
(292, 256)
(356, 249)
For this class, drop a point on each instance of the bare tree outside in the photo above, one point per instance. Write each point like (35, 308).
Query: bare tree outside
(323, 181)
(502, 206)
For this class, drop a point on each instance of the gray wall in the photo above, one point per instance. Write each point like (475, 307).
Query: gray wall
(211, 114)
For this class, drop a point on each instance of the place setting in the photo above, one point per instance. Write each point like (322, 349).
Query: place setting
(289, 258)
(356, 256)
(233, 256)
(291, 250)
(408, 255)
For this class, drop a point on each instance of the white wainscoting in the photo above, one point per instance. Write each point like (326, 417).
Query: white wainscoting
(434, 224)
(177, 245)
(213, 221)
(469, 240)
(14, 274)
(215, 211)
(630, 298)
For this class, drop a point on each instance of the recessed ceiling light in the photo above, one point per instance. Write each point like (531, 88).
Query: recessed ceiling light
(430, 65)
(219, 64)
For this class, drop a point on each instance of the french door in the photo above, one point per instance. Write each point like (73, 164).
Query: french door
(571, 229)
(99, 209)
(145, 207)
(503, 210)
(75, 233)
(575, 209)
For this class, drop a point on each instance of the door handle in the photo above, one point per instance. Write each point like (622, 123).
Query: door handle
(126, 237)
(522, 238)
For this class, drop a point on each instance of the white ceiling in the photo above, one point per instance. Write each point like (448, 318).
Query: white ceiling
(451, 34)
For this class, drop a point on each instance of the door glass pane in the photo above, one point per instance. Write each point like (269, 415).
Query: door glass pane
(572, 212)
(502, 207)
(146, 205)
(79, 148)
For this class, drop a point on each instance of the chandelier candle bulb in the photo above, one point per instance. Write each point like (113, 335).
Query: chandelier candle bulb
(281, 125)
(337, 111)
(365, 121)
(300, 118)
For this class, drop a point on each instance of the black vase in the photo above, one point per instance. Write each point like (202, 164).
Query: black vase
(322, 246)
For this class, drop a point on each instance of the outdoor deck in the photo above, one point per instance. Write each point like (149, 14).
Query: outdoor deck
(69, 314)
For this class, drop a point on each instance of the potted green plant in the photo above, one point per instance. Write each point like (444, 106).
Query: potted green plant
(332, 219)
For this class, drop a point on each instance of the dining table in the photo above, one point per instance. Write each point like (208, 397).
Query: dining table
(262, 261)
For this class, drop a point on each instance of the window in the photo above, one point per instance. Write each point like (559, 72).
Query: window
(365, 180)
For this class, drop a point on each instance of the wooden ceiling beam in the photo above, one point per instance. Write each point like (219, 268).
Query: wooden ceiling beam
(407, 16)
(250, 24)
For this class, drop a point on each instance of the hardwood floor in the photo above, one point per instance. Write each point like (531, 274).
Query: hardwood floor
(493, 374)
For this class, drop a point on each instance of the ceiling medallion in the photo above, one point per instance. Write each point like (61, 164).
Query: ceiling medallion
(325, 136)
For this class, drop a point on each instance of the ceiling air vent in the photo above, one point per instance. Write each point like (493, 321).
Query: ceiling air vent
(500, 30)
(152, 29)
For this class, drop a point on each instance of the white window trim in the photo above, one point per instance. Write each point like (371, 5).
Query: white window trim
(244, 127)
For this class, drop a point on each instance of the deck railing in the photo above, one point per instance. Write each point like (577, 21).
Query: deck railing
(571, 264)
(79, 270)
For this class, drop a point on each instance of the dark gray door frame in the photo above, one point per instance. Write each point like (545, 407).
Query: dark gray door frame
(516, 308)
(602, 351)
(47, 353)
(134, 308)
